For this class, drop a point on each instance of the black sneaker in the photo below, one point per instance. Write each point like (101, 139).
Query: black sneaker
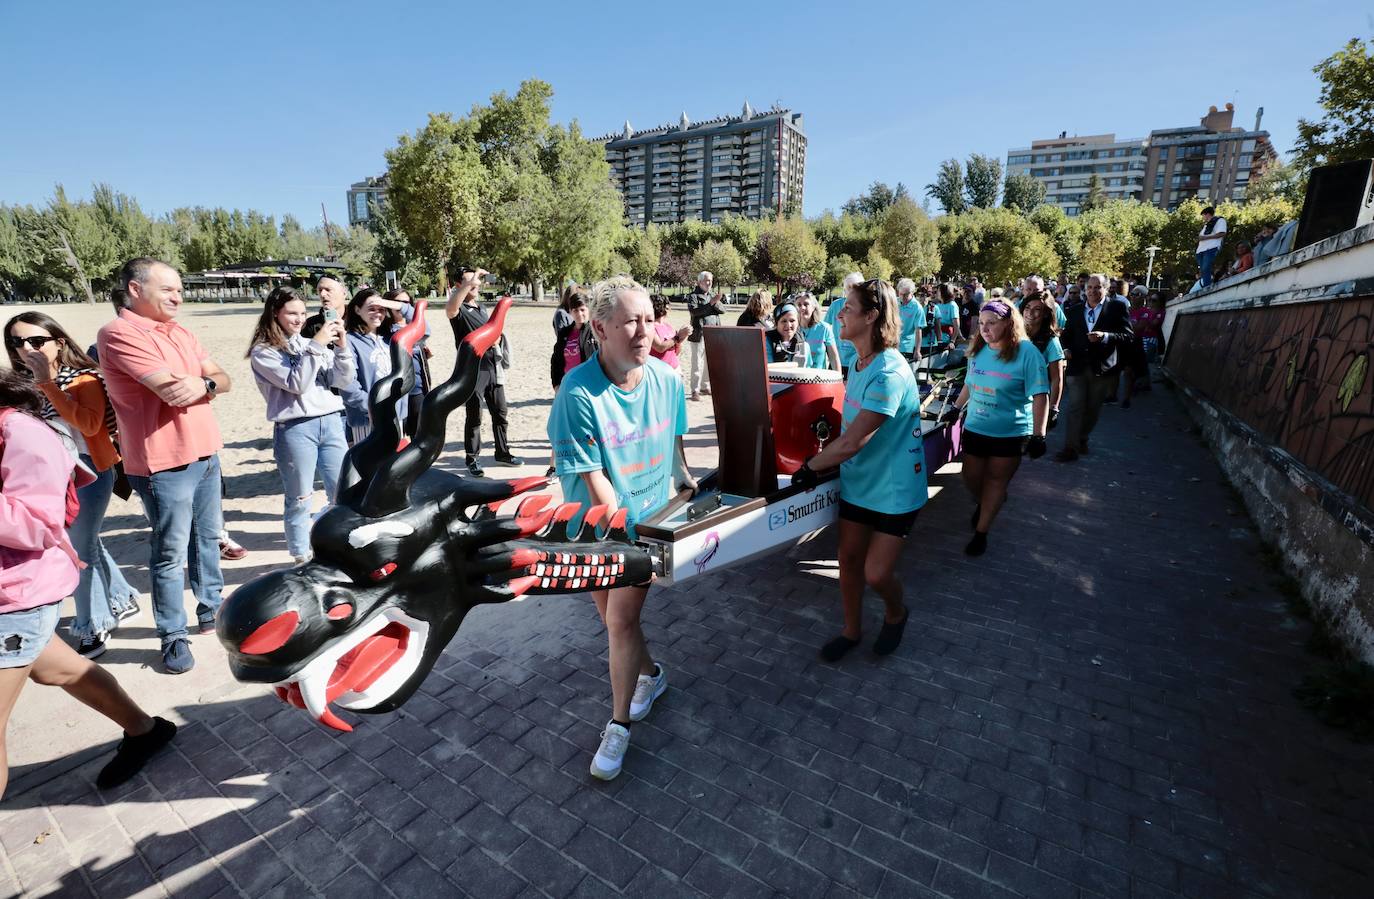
(476, 470)
(133, 753)
(551, 472)
(92, 647)
(131, 611)
(507, 460)
(177, 658)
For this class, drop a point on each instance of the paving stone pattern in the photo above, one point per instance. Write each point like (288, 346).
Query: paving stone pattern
(1098, 707)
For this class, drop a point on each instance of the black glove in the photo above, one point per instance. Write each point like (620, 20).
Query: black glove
(1035, 447)
(805, 476)
(1054, 419)
(951, 414)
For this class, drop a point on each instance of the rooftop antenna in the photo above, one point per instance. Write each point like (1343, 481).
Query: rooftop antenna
(327, 237)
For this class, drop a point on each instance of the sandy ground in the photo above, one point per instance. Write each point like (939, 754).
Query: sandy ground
(48, 725)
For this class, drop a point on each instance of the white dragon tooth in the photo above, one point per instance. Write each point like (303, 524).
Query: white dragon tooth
(313, 693)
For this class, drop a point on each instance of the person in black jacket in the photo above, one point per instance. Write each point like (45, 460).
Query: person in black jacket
(465, 315)
(705, 310)
(1096, 338)
(575, 344)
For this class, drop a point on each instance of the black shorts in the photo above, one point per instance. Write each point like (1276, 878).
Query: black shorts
(898, 525)
(984, 447)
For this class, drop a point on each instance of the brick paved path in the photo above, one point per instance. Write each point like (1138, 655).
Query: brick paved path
(1106, 715)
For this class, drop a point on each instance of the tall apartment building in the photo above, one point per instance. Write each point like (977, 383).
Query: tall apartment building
(1065, 165)
(1211, 160)
(362, 195)
(747, 164)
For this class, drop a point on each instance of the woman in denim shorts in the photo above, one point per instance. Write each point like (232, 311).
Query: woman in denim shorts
(38, 569)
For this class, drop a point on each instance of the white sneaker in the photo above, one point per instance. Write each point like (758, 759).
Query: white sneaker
(614, 741)
(648, 688)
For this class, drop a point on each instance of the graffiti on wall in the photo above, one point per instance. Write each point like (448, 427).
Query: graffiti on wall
(1298, 374)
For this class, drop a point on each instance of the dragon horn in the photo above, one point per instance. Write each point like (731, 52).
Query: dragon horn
(389, 490)
(363, 460)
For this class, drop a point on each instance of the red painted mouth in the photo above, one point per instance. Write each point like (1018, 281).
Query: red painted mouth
(354, 672)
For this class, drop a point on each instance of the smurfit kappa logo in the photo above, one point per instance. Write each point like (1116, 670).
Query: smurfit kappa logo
(776, 519)
(782, 517)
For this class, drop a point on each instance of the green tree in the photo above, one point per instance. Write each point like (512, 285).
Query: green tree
(79, 249)
(910, 240)
(1346, 131)
(1064, 234)
(740, 231)
(848, 235)
(581, 219)
(675, 269)
(1022, 192)
(394, 252)
(1116, 233)
(436, 184)
(1280, 180)
(1095, 197)
(875, 201)
(876, 265)
(982, 181)
(644, 252)
(948, 187)
(836, 269)
(722, 260)
(996, 244)
(795, 256)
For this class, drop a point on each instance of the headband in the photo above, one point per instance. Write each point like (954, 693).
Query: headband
(784, 309)
(997, 308)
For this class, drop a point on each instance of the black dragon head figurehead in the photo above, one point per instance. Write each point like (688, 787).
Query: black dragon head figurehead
(405, 552)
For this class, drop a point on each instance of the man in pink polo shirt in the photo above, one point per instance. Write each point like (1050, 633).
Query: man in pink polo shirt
(161, 383)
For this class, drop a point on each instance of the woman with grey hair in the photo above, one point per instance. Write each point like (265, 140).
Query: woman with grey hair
(616, 429)
(913, 315)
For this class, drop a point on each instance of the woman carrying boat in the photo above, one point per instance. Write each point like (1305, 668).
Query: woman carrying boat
(882, 466)
(616, 429)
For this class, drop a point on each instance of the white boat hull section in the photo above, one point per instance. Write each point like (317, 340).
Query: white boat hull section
(751, 535)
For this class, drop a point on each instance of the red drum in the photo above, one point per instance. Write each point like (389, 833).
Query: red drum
(806, 410)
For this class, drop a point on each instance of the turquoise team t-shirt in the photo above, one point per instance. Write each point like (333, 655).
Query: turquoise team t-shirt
(1053, 351)
(948, 314)
(1000, 392)
(913, 315)
(818, 337)
(832, 317)
(889, 474)
(631, 435)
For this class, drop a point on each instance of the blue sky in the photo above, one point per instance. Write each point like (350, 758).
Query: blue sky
(280, 106)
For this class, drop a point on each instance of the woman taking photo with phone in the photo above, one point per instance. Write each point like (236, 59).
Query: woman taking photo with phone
(74, 398)
(367, 328)
(297, 376)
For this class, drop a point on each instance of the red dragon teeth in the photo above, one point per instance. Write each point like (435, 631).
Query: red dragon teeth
(533, 523)
(523, 485)
(329, 719)
(520, 585)
(618, 519)
(532, 504)
(281, 694)
(523, 558)
(293, 696)
(594, 516)
(566, 511)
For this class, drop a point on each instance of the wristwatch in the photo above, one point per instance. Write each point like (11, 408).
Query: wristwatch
(210, 385)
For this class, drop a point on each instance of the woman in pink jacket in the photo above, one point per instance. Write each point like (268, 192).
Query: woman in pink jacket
(38, 568)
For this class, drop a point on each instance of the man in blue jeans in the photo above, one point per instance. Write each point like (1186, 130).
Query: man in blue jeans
(1209, 243)
(161, 382)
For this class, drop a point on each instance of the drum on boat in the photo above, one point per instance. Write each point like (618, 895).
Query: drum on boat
(806, 411)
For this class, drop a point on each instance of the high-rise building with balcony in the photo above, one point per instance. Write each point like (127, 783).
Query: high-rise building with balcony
(750, 165)
(1212, 160)
(1066, 165)
(362, 196)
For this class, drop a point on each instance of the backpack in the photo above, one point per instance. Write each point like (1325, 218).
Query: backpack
(73, 503)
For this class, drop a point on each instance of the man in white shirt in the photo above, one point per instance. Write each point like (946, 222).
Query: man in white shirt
(1209, 243)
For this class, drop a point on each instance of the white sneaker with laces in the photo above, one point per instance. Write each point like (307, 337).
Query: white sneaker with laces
(609, 756)
(648, 688)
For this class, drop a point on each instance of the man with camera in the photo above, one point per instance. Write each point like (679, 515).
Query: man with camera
(466, 314)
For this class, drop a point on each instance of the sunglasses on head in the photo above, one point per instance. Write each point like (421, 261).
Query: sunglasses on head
(35, 342)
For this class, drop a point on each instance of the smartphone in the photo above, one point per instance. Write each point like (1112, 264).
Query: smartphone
(331, 315)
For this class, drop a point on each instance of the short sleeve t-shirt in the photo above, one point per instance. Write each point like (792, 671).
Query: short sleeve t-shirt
(817, 337)
(1053, 351)
(948, 312)
(1000, 392)
(665, 331)
(155, 436)
(913, 316)
(631, 435)
(832, 317)
(889, 474)
(1211, 241)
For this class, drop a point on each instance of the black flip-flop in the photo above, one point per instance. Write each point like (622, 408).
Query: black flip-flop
(890, 637)
(835, 649)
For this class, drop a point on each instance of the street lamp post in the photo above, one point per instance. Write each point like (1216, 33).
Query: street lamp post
(1149, 269)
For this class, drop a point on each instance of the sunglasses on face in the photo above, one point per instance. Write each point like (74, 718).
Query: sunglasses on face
(35, 342)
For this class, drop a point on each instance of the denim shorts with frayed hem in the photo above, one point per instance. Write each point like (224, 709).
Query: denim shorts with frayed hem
(25, 633)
